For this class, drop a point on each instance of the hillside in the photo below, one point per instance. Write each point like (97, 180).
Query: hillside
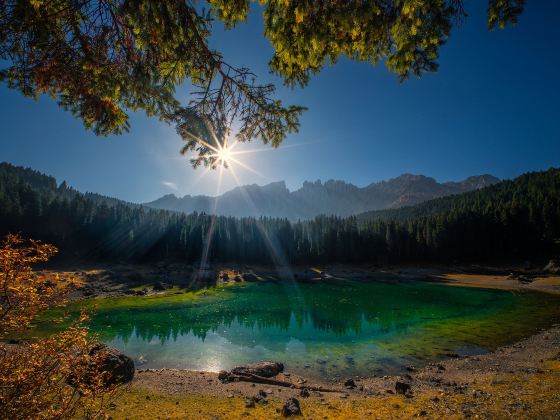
(511, 219)
(518, 219)
(314, 198)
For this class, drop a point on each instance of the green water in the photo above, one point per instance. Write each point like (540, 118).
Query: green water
(326, 330)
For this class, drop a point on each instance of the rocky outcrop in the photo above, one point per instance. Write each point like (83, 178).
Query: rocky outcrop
(314, 198)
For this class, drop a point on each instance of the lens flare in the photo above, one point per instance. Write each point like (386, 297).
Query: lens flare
(224, 155)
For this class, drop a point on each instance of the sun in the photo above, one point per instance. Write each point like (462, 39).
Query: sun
(224, 155)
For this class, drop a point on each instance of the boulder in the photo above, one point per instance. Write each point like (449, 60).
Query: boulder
(119, 365)
(116, 367)
(402, 387)
(160, 286)
(265, 369)
(250, 277)
(349, 383)
(553, 267)
(291, 408)
(223, 376)
(524, 279)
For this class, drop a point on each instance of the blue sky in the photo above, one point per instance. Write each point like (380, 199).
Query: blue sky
(493, 107)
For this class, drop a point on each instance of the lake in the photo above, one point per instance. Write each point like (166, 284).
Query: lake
(323, 330)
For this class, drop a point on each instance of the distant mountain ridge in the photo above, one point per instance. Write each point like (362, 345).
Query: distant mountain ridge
(314, 198)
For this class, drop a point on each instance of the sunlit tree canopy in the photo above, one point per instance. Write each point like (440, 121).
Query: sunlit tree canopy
(102, 59)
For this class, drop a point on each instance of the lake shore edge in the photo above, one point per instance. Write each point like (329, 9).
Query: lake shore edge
(127, 279)
(522, 378)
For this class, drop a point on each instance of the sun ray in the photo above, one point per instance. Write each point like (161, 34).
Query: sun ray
(213, 133)
(274, 249)
(210, 233)
(269, 149)
(243, 165)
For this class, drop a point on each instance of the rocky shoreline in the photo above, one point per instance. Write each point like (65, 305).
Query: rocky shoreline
(141, 280)
(521, 380)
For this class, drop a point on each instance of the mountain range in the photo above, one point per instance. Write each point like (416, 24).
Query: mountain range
(314, 198)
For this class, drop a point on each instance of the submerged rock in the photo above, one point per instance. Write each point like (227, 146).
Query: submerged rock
(291, 408)
(265, 369)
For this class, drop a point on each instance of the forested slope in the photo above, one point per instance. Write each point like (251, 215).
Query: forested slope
(510, 220)
(513, 218)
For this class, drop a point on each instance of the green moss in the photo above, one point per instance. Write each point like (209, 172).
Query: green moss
(170, 296)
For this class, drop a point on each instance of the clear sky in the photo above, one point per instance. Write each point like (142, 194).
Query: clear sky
(493, 107)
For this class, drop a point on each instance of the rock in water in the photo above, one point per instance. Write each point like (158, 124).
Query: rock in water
(402, 387)
(264, 369)
(291, 408)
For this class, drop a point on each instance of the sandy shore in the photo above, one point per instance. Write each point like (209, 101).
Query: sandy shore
(547, 284)
(521, 380)
(517, 381)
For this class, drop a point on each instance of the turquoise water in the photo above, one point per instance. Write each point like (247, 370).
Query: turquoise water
(325, 330)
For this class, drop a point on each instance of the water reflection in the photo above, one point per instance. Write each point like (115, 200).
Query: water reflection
(327, 329)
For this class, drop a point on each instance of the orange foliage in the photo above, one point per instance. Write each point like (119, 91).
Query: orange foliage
(55, 377)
